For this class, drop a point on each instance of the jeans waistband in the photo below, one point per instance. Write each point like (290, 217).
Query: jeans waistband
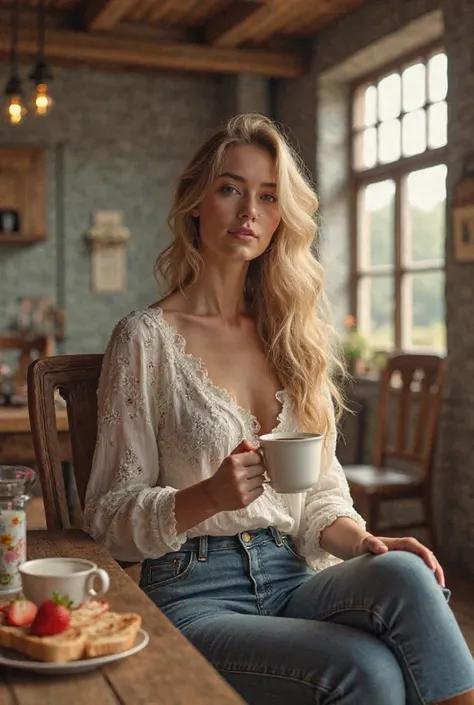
(203, 545)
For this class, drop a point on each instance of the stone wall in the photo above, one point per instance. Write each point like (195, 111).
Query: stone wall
(455, 472)
(317, 109)
(243, 94)
(113, 141)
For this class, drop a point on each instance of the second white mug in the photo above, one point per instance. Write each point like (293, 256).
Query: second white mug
(73, 578)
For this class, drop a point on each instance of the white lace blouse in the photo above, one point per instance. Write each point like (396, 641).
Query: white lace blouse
(163, 426)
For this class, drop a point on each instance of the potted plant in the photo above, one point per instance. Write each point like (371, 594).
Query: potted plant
(354, 346)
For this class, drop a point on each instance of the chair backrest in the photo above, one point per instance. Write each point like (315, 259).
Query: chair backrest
(77, 379)
(28, 349)
(411, 386)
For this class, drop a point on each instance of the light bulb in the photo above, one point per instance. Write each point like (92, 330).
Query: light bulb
(15, 109)
(42, 99)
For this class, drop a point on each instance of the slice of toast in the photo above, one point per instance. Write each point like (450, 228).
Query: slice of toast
(94, 631)
(67, 646)
(6, 633)
(60, 648)
(111, 634)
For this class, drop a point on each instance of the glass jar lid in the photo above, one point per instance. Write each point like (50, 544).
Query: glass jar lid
(15, 480)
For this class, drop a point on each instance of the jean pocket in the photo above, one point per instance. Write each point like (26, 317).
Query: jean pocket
(167, 570)
(292, 550)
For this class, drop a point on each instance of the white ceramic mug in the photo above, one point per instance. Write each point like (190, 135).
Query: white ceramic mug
(71, 577)
(292, 460)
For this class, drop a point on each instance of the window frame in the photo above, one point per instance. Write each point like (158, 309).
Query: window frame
(397, 172)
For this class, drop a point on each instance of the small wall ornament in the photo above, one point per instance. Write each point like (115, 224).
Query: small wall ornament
(463, 215)
(108, 238)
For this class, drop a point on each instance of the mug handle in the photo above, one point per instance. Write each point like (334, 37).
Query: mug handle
(104, 581)
(261, 453)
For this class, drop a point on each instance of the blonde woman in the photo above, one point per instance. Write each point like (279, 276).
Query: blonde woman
(241, 346)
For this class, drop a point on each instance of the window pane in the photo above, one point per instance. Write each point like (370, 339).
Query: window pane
(376, 307)
(414, 133)
(437, 77)
(425, 199)
(370, 147)
(424, 324)
(414, 87)
(365, 149)
(376, 225)
(370, 106)
(389, 141)
(390, 99)
(364, 107)
(437, 125)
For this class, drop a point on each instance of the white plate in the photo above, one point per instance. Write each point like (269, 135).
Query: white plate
(14, 659)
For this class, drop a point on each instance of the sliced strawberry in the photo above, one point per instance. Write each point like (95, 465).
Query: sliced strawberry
(93, 608)
(20, 613)
(53, 617)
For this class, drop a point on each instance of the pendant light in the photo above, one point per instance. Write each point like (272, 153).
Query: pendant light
(41, 74)
(15, 109)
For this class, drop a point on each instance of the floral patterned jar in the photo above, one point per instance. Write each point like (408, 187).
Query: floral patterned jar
(15, 483)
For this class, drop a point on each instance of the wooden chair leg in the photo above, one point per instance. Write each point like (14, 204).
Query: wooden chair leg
(370, 511)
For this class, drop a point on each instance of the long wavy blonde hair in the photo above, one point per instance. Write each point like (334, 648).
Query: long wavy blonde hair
(285, 285)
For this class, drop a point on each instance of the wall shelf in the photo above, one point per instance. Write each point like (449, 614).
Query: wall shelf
(22, 191)
(22, 239)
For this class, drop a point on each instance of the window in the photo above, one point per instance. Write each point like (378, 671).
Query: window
(399, 177)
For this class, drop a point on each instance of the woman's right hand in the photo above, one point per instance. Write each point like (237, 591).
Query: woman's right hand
(239, 479)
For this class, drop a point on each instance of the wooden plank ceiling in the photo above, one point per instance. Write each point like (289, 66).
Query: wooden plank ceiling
(265, 37)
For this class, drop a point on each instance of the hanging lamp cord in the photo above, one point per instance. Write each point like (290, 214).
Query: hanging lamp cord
(15, 17)
(41, 29)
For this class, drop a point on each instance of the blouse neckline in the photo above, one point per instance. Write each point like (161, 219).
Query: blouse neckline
(199, 368)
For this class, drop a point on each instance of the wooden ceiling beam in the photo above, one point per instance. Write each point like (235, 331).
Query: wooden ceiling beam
(287, 13)
(243, 24)
(140, 9)
(160, 10)
(205, 9)
(102, 15)
(224, 28)
(179, 12)
(116, 52)
(328, 12)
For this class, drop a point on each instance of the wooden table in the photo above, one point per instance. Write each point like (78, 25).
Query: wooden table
(16, 442)
(169, 671)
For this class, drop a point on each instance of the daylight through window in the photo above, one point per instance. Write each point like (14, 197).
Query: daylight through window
(399, 177)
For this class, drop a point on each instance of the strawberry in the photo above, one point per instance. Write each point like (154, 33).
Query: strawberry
(53, 616)
(20, 612)
(92, 608)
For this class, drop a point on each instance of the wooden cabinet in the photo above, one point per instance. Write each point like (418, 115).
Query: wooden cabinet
(22, 194)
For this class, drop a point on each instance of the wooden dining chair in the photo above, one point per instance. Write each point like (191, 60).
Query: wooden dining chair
(411, 389)
(76, 377)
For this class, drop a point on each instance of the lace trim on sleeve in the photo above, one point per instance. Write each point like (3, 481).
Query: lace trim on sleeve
(313, 550)
(166, 520)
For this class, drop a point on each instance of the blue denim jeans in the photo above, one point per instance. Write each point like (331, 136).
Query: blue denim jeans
(374, 630)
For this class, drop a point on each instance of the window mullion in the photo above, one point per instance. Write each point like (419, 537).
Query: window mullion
(398, 283)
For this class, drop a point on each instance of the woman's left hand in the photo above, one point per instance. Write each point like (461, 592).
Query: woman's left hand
(382, 544)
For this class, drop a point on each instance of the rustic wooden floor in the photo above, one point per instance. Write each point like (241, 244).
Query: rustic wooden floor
(462, 600)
